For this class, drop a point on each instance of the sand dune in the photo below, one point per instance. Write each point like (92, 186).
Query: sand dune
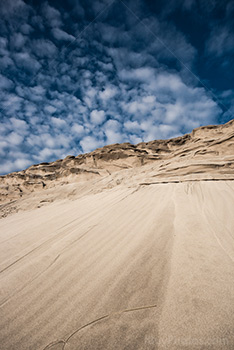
(205, 154)
(137, 258)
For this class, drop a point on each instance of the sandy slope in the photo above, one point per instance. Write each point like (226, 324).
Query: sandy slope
(151, 268)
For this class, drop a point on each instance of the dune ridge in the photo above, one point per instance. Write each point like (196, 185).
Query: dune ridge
(207, 153)
(134, 249)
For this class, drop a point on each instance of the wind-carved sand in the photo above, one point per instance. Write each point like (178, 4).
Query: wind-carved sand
(127, 247)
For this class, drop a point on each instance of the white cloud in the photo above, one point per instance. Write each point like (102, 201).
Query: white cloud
(50, 141)
(22, 163)
(132, 126)
(3, 42)
(5, 83)
(141, 106)
(143, 75)
(90, 143)
(114, 137)
(6, 62)
(90, 94)
(108, 93)
(18, 164)
(19, 125)
(9, 7)
(38, 90)
(35, 94)
(168, 81)
(135, 139)
(78, 129)
(52, 15)
(149, 99)
(50, 109)
(14, 138)
(26, 29)
(3, 46)
(62, 35)
(44, 48)
(27, 62)
(59, 123)
(97, 117)
(46, 153)
(30, 111)
(112, 129)
(12, 104)
(220, 42)
(174, 112)
(18, 41)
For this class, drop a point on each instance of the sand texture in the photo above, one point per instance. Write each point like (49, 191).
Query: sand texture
(128, 247)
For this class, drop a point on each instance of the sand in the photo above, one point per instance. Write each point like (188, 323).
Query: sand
(129, 260)
(149, 270)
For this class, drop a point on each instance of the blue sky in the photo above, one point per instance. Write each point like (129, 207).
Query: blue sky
(79, 74)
